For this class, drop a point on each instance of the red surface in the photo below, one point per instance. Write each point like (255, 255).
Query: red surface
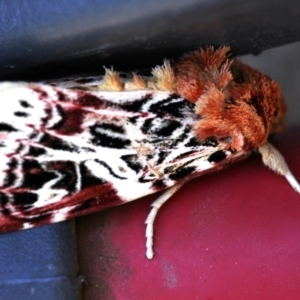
(230, 235)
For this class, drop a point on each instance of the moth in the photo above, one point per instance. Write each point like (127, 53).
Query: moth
(73, 147)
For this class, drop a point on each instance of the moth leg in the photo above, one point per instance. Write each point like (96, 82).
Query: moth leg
(156, 205)
(275, 161)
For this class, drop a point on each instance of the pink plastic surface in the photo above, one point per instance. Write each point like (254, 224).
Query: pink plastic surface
(229, 235)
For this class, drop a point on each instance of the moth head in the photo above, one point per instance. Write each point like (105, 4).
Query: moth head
(235, 103)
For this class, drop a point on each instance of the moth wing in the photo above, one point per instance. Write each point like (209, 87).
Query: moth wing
(66, 153)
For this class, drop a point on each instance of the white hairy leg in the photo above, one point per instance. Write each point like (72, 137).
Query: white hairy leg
(156, 205)
(275, 161)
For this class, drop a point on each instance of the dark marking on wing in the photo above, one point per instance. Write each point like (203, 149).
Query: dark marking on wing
(56, 143)
(112, 127)
(132, 162)
(25, 199)
(25, 104)
(171, 108)
(100, 162)
(167, 128)
(88, 179)
(159, 184)
(104, 139)
(217, 156)
(7, 127)
(35, 151)
(185, 154)
(21, 114)
(136, 105)
(162, 155)
(34, 176)
(182, 172)
(193, 142)
(3, 200)
(67, 169)
(10, 179)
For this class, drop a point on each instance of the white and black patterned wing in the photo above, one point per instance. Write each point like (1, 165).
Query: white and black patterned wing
(65, 153)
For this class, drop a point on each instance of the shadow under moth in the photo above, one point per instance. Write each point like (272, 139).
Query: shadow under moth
(74, 147)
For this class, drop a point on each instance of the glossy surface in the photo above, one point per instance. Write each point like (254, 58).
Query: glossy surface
(43, 39)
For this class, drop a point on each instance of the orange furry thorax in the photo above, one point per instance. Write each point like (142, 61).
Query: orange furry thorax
(236, 103)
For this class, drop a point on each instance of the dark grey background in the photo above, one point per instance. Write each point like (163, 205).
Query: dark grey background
(44, 39)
